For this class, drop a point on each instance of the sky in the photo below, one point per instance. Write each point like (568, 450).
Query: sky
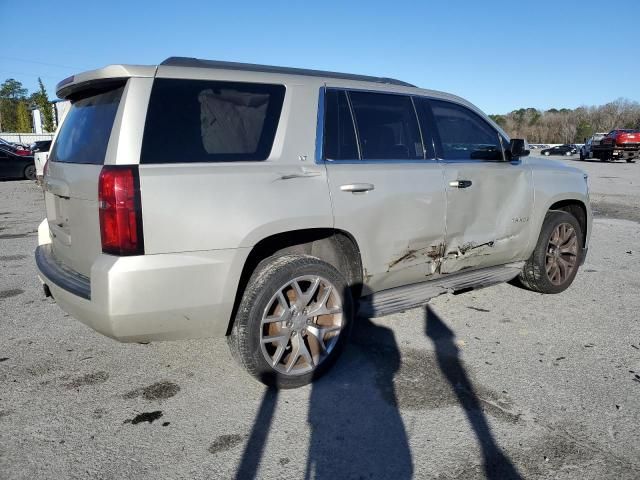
(500, 55)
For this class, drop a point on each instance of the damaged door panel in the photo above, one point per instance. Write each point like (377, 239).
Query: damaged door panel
(489, 200)
(399, 226)
(399, 221)
(488, 223)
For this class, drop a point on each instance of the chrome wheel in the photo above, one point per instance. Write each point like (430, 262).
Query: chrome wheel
(562, 254)
(301, 324)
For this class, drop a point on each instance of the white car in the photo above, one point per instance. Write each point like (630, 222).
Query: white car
(40, 159)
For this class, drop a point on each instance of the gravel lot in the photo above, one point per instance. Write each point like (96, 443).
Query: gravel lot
(493, 383)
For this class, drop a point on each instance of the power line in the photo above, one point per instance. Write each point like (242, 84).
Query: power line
(41, 63)
(15, 72)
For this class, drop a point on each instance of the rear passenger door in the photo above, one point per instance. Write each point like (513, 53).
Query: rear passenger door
(489, 200)
(386, 187)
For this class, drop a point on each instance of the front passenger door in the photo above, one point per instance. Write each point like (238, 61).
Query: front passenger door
(489, 200)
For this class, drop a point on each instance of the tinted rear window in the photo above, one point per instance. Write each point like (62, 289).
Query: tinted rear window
(209, 121)
(387, 126)
(84, 134)
(339, 135)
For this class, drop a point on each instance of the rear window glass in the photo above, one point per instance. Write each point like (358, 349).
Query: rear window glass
(209, 121)
(339, 135)
(84, 134)
(387, 126)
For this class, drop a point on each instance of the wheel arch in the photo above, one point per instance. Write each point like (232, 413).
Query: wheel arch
(579, 210)
(336, 247)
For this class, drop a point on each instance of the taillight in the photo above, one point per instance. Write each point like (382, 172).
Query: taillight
(23, 153)
(120, 210)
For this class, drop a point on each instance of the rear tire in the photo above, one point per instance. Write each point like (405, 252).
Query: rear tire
(30, 172)
(304, 306)
(555, 261)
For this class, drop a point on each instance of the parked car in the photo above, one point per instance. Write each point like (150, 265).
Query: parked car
(622, 137)
(270, 204)
(13, 165)
(41, 154)
(40, 146)
(16, 148)
(559, 150)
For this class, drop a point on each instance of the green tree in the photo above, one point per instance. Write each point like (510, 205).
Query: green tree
(499, 119)
(583, 130)
(41, 99)
(23, 118)
(12, 89)
(11, 93)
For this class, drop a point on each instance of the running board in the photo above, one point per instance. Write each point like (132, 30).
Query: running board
(403, 298)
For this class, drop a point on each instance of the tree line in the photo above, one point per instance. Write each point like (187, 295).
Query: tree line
(567, 125)
(16, 104)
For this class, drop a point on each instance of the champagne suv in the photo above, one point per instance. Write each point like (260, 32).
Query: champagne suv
(271, 205)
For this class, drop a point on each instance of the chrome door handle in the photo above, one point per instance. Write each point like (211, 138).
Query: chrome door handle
(357, 187)
(460, 183)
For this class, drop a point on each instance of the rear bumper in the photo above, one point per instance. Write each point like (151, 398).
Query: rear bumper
(149, 297)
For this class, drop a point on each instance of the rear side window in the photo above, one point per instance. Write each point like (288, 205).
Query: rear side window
(387, 126)
(209, 121)
(339, 134)
(464, 134)
(84, 134)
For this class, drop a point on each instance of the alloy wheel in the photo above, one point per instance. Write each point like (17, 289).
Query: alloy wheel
(562, 253)
(301, 325)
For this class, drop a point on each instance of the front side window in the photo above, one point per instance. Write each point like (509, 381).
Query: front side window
(464, 135)
(209, 121)
(387, 126)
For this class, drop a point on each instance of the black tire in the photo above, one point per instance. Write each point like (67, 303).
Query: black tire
(269, 277)
(30, 172)
(534, 275)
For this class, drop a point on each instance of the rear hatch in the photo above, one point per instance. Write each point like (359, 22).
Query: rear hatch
(71, 182)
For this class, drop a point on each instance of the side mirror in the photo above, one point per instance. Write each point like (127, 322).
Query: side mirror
(518, 147)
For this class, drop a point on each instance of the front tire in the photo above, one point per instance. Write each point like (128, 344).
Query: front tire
(293, 321)
(555, 261)
(546, 153)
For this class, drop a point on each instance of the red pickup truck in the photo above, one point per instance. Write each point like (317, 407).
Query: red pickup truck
(619, 144)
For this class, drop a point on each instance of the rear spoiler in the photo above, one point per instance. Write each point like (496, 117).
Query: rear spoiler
(81, 81)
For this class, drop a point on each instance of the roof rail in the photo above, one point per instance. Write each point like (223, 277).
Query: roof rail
(251, 67)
